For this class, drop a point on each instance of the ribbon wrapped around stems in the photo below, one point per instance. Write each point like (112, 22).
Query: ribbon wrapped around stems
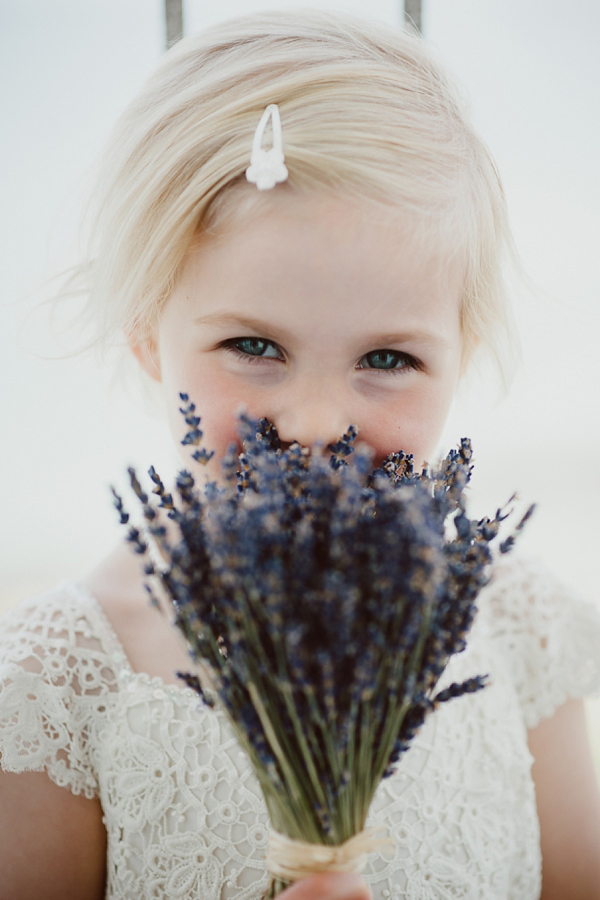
(290, 860)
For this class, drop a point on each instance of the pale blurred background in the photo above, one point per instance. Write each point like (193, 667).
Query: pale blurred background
(532, 71)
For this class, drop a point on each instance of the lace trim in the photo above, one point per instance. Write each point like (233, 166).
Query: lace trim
(123, 668)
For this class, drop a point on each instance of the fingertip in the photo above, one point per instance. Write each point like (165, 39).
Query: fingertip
(328, 886)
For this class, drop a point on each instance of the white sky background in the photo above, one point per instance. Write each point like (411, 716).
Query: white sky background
(68, 68)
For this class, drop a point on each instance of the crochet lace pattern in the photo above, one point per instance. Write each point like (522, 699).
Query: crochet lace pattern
(183, 812)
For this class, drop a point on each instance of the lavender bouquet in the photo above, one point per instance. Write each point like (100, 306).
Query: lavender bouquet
(322, 602)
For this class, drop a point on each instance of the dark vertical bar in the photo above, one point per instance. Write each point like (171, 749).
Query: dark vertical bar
(412, 13)
(173, 21)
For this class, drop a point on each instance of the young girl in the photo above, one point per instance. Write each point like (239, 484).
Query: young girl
(295, 215)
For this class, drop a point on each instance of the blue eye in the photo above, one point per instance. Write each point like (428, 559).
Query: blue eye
(389, 361)
(253, 348)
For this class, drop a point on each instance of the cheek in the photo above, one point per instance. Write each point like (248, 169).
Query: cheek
(215, 405)
(413, 423)
(218, 400)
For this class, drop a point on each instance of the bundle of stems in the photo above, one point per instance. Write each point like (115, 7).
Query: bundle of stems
(322, 601)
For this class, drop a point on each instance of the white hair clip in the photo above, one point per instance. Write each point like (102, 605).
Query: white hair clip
(267, 167)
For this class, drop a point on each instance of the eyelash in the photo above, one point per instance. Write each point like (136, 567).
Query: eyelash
(247, 357)
(411, 362)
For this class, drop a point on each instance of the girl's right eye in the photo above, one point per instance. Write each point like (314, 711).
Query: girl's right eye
(253, 348)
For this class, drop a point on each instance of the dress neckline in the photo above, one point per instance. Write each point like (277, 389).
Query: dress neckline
(121, 662)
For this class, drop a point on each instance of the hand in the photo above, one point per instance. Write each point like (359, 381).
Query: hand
(328, 887)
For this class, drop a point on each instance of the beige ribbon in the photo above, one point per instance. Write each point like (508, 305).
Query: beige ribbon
(291, 860)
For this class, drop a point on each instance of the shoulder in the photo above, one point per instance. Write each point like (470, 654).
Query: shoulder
(521, 582)
(526, 601)
(58, 634)
(57, 670)
(49, 615)
(548, 633)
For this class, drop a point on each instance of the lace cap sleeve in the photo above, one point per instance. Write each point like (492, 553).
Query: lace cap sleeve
(55, 684)
(550, 636)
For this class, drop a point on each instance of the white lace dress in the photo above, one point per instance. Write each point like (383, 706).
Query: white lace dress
(183, 812)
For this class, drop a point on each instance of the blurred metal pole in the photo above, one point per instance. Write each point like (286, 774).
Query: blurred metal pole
(173, 21)
(412, 13)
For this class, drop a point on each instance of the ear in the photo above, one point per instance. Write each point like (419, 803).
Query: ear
(145, 350)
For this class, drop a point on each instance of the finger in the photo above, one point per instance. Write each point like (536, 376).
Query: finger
(328, 886)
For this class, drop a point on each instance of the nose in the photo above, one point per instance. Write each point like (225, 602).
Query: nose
(311, 416)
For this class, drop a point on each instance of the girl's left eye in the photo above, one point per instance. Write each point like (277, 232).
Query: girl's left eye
(388, 361)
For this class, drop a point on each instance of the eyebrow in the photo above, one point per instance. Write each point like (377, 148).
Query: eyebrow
(235, 319)
(398, 337)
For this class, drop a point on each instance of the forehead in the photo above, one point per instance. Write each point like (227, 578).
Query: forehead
(238, 208)
(346, 222)
(316, 259)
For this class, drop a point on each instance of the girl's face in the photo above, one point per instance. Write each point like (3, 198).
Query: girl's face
(317, 314)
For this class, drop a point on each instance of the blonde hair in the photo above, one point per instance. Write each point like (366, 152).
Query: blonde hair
(367, 112)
